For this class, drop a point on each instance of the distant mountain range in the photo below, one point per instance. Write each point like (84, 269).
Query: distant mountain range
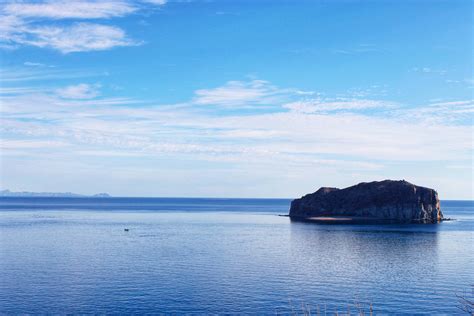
(49, 194)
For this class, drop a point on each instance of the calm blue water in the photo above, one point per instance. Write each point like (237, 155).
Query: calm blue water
(225, 256)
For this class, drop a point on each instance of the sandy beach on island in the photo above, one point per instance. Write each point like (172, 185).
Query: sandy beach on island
(341, 219)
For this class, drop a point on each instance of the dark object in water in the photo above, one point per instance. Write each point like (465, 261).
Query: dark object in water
(126, 229)
(383, 201)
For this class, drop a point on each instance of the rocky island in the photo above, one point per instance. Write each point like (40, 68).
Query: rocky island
(381, 201)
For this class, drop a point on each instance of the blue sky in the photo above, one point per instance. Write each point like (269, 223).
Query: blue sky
(235, 98)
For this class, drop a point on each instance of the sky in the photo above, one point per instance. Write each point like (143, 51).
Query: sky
(235, 98)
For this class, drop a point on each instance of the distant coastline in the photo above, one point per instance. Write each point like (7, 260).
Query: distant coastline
(8, 193)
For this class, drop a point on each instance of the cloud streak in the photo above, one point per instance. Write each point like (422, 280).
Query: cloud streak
(78, 37)
(240, 93)
(31, 24)
(80, 91)
(341, 104)
(70, 9)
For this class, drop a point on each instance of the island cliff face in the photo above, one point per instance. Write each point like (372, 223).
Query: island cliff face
(394, 201)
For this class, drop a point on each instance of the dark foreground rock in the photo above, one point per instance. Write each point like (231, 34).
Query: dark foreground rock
(392, 201)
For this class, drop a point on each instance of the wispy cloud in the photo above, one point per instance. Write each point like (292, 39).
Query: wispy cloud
(36, 64)
(31, 144)
(240, 93)
(26, 23)
(429, 70)
(70, 9)
(21, 75)
(300, 132)
(336, 139)
(34, 103)
(324, 105)
(78, 37)
(80, 91)
(469, 83)
(441, 113)
(18, 90)
(299, 146)
(358, 49)
(158, 2)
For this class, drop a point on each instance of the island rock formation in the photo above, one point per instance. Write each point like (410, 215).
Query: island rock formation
(388, 200)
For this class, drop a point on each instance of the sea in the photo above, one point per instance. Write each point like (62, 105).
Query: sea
(189, 256)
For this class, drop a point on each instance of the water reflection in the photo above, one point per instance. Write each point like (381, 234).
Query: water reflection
(378, 264)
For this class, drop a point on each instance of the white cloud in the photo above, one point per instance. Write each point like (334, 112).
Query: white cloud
(79, 37)
(321, 105)
(108, 153)
(30, 23)
(21, 75)
(235, 93)
(429, 70)
(454, 103)
(78, 9)
(158, 2)
(31, 144)
(18, 90)
(272, 136)
(450, 112)
(359, 49)
(33, 64)
(10, 28)
(301, 145)
(80, 91)
(302, 92)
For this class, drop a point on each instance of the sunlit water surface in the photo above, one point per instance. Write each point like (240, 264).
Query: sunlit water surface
(60, 255)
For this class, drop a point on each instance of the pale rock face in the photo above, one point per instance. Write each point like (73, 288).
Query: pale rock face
(396, 201)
